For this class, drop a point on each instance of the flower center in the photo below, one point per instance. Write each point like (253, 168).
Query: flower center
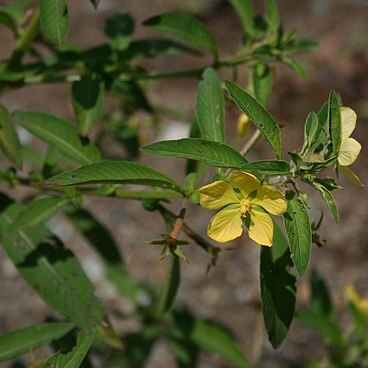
(244, 206)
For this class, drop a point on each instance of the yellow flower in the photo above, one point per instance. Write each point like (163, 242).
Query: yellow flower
(351, 296)
(244, 198)
(349, 148)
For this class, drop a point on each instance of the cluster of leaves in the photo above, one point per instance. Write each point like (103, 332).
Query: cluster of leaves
(75, 165)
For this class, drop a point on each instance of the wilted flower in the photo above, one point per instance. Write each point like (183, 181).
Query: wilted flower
(243, 200)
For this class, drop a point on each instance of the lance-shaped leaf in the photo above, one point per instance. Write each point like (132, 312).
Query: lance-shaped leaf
(54, 20)
(87, 98)
(16, 343)
(37, 212)
(298, 228)
(268, 167)
(102, 241)
(185, 27)
(334, 119)
(170, 286)
(58, 132)
(53, 271)
(209, 152)
(272, 17)
(278, 288)
(311, 129)
(9, 141)
(74, 358)
(260, 117)
(210, 110)
(95, 3)
(328, 198)
(114, 172)
(245, 11)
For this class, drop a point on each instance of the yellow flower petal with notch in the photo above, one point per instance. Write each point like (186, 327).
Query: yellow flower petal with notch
(241, 199)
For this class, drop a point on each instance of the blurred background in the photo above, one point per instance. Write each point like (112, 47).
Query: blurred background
(230, 292)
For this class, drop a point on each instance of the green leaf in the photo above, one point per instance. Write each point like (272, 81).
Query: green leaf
(334, 118)
(212, 336)
(311, 129)
(7, 19)
(170, 287)
(263, 77)
(268, 167)
(210, 110)
(295, 66)
(38, 212)
(321, 300)
(328, 198)
(74, 358)
(54, 20)
(87, 98)
(16, 343)
(58, 132)
(298, 229)
(245, 11)
(209, 152)
(119, 29)
(151, 48)
(102, 241)
(9, 141)
(272, 17)
(114, 172)
(260, 117)
(52, 270)
(278, 288)
(185, 27)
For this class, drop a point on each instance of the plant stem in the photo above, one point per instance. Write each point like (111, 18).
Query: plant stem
(251, 142)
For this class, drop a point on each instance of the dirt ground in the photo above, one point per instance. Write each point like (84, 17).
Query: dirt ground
(230, 293)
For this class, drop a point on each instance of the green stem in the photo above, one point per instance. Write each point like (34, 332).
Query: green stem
(26, 38)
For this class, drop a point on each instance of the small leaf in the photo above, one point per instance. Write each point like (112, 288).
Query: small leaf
(58, 132)
(298, 229)
(261, 118)
(7, 19)
(52, 270)
(311, 128)
(185, 27)
(131, 95)
(245, 11)
(212, 336)
(268, 167)
(114, 172)
(151, 48)
(263, 77)
(295, 66)
(54, 20)
(210, 110)
(328, 198)
(74, 358)
(278, 288)
(38, 212)
(9, 141)
(334, 118)
(119, 29)
(209, 152)
(321, 300)
(16, 343)
(87, 98)
(170, 287)
(272, 16)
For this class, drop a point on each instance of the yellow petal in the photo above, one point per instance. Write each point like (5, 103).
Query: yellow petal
(351, 176)
(354, 298)
(247, 183)
(244, 124)
(217, 195)
(261, 228)
(348, 122)
(349, 151)
(226, 225)
(271, 199)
